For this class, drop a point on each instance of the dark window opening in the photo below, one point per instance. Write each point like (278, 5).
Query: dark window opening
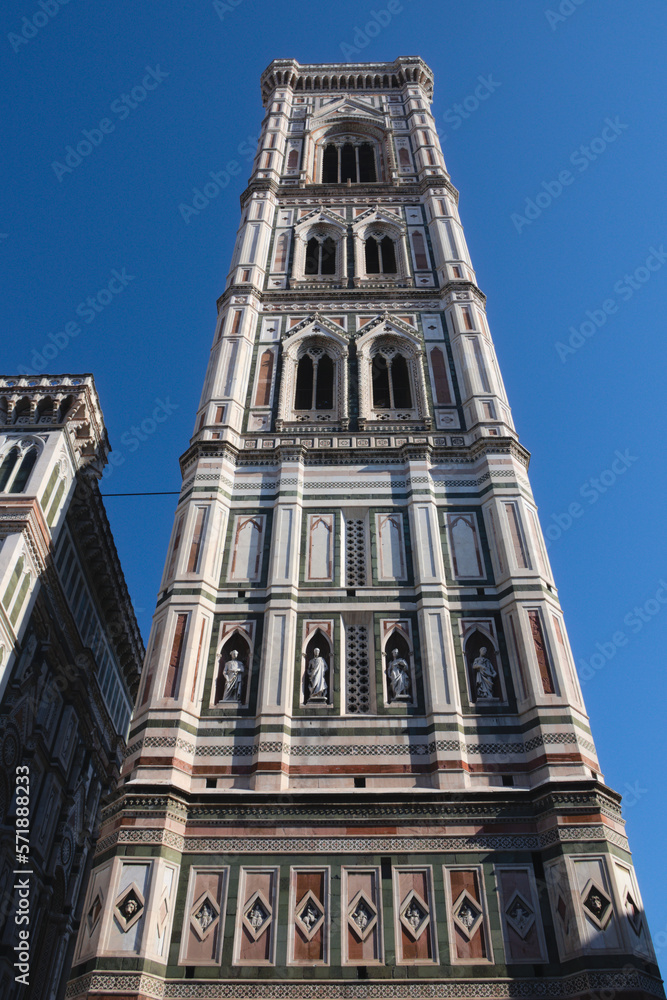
(348, 164)
(380, 256)
(330, 165)
(391, 382)
(320, 256)
(304, 384)
(314, 383)
(366, 164)
(324, 384)
(353, 162)
(23, 474)
(7, 467)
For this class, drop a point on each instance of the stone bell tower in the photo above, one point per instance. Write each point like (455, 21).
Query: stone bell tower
(360, 763)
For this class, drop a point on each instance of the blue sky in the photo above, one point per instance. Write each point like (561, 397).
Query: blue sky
(579, 92)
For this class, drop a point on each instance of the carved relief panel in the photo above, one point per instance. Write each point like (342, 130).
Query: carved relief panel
(256, 917)
(204, 917)
(469, 933)
(414, 916)
(361, 917)
(308, 939)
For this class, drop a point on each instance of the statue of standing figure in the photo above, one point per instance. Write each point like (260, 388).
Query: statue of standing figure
(398, 673)
(233, 672)
(317, 677)
(485, 673)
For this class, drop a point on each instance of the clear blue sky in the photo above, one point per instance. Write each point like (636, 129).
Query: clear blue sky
(554, 85)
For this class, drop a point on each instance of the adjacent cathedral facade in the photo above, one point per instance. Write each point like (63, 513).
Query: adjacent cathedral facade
(359, 763)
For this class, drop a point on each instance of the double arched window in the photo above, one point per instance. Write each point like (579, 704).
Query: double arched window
(391, 380)
(353, 161)
(320, 255)
(380, 255)
(314, 381)
(16, 467)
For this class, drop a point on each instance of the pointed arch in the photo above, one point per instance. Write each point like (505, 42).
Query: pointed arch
(23, 411)
(317, 684)
(483, 680)
(20, 480)
(233, 686)
(7, 466)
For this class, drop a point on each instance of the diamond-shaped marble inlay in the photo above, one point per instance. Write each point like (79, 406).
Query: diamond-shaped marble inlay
(94, 913)
(414, 914)
(129, 906)
(520, 914)
(362, 915)
(204, 915)
(467, 914)
(257, 915)
(633, 912)
(309, 915)
(597, 904)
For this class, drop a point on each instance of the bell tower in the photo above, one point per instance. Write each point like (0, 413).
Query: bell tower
(359, 751)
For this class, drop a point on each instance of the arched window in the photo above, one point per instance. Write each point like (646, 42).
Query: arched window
(7, 467)
(21, 478)
(380, 255)
(22, 411)
(314, 381)
(404, 157)
(282, 247)
(293, 159)
(349, 161)
(44, 411)
(391, 381)
(64, 408)
(320, 255)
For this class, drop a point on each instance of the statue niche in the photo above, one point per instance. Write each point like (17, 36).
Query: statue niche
(483, 669)
(318, 671)
(233, 668)
(398, 669)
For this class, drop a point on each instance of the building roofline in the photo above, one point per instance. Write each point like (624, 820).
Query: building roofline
(310, 77)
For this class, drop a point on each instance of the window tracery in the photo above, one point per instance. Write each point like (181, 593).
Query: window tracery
(313, 387)
(391, 375)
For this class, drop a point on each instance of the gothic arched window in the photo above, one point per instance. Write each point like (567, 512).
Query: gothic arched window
(25, 468)
(349, 161)
(391, 381)
(380, 255)
(7, 467)
(320, 255)
(314, 381)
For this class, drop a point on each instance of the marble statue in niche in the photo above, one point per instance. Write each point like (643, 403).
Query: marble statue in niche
(318, 689)
(485, 673)
(233, 673)
(398, 674)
